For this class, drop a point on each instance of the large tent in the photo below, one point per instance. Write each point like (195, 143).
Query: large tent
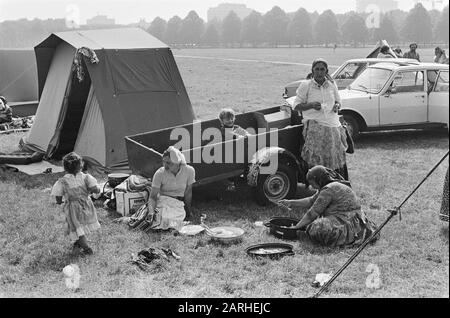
(130, 84)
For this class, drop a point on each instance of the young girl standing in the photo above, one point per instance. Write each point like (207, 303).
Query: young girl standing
(75, 187)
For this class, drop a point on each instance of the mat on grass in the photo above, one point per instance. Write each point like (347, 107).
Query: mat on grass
(37, 168)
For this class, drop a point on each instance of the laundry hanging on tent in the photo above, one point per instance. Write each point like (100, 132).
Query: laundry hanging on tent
(90, 54)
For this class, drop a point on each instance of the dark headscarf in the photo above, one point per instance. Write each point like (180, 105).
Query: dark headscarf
(323, 176)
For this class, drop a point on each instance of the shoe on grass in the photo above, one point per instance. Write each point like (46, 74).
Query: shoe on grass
(88, 251)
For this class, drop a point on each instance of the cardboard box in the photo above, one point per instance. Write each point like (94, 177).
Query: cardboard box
(128, 202)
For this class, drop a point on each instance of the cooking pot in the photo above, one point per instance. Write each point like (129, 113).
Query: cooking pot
(114, 179)
(275, 225)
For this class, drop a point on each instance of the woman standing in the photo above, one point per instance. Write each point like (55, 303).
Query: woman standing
(318, 101)
(334, 216)
(171, 194)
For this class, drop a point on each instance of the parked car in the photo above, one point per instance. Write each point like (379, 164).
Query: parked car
(348, 72)
(239, 158)
(389, 96)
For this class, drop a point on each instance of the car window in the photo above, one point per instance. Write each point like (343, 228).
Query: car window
(371, 80)
(408, 81)
(442, 82)
(350, 71)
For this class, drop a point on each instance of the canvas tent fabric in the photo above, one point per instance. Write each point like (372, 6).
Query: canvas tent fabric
(18, 75)
(135, 87)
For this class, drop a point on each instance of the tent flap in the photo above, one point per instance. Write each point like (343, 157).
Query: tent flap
(140, 71)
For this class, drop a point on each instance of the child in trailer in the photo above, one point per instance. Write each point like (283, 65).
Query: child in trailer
(75, 188)
(227, 117)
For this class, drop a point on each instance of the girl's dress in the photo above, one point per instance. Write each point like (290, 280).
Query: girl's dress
(81, 216)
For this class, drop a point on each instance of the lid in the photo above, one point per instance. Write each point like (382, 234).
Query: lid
(191, 229)
(118, 175)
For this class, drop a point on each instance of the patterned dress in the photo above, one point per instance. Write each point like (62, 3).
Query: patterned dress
(325, 138)
(81, 216)
(444, 205)
(339, 218)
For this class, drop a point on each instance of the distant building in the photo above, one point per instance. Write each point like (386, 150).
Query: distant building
(223, 9)
(100, 20)
(383, 5)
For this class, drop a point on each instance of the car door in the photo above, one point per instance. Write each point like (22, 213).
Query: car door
(405, 100)
(438, 99)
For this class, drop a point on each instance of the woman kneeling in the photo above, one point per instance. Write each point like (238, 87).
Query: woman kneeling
(171, 193)
(334, 216)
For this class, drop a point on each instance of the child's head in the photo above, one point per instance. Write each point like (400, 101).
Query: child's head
(73, 163)
(226, 117)
(384, 49)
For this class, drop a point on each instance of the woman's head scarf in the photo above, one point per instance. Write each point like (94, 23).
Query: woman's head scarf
(175, 155)
(323, 176)
(323, 61)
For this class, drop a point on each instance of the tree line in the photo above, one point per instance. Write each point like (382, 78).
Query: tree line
(274, 28)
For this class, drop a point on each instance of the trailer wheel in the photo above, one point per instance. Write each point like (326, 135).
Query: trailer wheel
(278, 186)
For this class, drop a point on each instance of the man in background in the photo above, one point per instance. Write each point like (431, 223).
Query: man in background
(440, 56)
(412, 54)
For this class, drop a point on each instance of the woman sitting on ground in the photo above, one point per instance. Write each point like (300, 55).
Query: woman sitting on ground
(171, 193)
(334, 216)
(227, 118)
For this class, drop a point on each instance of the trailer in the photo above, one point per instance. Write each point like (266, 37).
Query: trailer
(269, 159)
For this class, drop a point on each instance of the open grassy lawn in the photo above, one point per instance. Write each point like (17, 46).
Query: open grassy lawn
(412, 255)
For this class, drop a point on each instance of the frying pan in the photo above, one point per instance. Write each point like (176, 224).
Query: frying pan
(264, 250)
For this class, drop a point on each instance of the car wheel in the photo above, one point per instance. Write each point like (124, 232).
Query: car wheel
(280, 185)
(352, 126)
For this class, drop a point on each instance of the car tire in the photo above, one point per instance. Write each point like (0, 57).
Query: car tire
(352, 125)
(278, 186)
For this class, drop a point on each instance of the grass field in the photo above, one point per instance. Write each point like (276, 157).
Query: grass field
(412, 255)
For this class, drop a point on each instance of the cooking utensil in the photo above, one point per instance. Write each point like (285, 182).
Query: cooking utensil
(271, 250)
(225, 233)
(206, 227)
(279, 227)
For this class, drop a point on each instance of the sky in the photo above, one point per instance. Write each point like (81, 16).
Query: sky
(131, 11)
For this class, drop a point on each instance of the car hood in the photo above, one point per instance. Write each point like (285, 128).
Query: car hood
(348, 96)
(295, 83)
